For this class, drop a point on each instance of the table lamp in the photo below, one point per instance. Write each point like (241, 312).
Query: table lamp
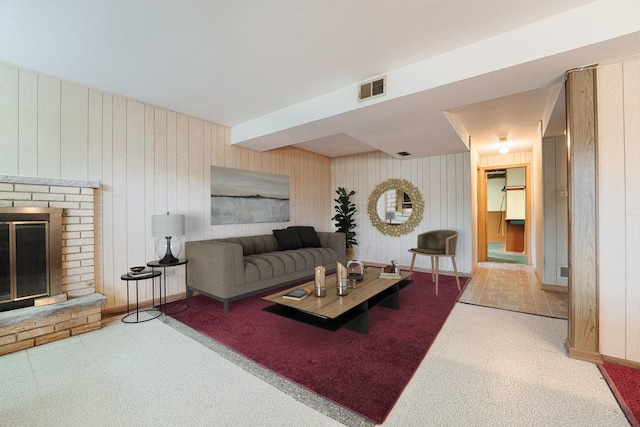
(166, 228)
(390, 216)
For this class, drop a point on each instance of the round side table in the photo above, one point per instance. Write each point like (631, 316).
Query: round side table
(152, 312)
(157, 264)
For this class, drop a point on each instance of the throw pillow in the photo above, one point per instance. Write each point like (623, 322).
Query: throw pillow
(288, 239)
(308, 236)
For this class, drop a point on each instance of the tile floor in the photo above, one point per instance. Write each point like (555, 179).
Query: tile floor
(513, 287)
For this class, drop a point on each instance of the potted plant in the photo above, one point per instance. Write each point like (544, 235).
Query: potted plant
(344, 218)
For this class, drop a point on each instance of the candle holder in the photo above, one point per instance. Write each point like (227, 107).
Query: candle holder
(342, 287)
(320, 285)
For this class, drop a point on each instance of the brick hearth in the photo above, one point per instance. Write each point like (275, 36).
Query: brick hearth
(31, 326)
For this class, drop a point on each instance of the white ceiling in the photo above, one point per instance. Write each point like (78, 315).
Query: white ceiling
(285, 72)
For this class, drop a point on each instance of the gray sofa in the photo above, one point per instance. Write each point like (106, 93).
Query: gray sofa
(232, 268)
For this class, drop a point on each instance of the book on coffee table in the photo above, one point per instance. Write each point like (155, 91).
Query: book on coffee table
(384, 275)
(390, 271)
(297, 294)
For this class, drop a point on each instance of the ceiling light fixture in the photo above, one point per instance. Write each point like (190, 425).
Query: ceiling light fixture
(504, 146)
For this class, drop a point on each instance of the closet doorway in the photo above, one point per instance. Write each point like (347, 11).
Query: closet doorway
(503, 214)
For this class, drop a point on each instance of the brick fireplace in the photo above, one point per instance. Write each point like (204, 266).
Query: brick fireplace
(29, 326)
(30, 255)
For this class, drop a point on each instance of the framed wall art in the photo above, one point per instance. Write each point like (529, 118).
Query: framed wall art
(243, 197)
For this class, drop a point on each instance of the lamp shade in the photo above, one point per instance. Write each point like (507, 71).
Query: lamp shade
(167, 225)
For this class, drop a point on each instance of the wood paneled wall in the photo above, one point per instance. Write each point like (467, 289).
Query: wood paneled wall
(445, 184)
(509, 159)
(556, 211)
(618, 93)
(148, 159)
(475, 168)
(536, 210)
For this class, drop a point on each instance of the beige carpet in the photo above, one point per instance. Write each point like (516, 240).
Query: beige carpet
(487, 367)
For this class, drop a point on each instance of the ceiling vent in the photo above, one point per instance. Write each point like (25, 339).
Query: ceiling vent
(404, 154)
(372, 88)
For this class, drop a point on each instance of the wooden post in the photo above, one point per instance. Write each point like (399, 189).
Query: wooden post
(582, 339)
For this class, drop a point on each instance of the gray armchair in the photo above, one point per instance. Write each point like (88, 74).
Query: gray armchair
(437, 244)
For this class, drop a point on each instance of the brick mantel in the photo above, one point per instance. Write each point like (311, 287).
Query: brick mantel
(58, 182)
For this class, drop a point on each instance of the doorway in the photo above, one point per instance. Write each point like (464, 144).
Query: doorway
(503, 214)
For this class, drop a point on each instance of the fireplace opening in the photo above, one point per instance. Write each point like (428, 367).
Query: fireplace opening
(30, 255)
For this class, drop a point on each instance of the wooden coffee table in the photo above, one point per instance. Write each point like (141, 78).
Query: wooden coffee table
(333, 312)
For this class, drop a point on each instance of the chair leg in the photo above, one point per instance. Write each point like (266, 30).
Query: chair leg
(455, 270)
(437, 268)
(413, 260)
(433, 269)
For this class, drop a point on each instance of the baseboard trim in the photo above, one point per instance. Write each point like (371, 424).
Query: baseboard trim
(122, 309)
(556, 288)
(588, 356)
(624, 362)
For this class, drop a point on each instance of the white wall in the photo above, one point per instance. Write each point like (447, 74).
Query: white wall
(149, 160)
(474, 167)
(509, 159)
(556, 210)
(537, 213)
(445, 184)
(618, 204)
(495, 195)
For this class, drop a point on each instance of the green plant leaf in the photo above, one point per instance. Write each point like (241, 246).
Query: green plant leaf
(345, 209)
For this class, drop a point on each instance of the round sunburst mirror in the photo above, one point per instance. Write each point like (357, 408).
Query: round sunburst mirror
(395, 207)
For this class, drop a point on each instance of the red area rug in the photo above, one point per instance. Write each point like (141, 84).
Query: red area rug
(625, 384)
(363, 373)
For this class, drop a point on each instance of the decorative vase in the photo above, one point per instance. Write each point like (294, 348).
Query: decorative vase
(351, 252)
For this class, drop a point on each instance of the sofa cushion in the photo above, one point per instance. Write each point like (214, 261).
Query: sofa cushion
(264, 243)
(288, 239)
(251, 272)
(298, 259)
(248, 248)
(286, 259)
(308, 236)
(308, 258)
(328, 254)
(265, 269)
(318, 256)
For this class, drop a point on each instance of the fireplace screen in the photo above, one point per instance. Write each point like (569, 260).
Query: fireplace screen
(5, 264)
(24, 251)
